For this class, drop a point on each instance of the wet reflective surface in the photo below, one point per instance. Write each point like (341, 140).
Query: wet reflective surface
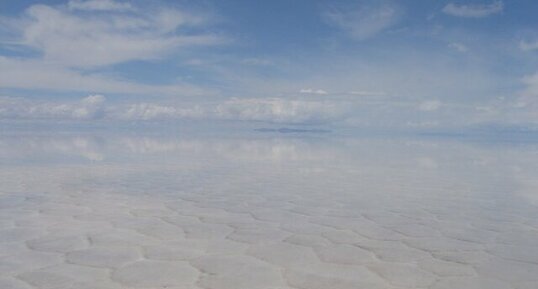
(265, 210)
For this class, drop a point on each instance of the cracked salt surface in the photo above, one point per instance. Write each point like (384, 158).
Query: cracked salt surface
(234, 213)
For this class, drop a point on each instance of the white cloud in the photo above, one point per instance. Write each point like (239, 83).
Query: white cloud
(146, 111)
(275, 110)
(458, 47)
(474, 10)
(528, 46)
(70, 41)
(529, 97)
(280, 110)
(91, 107)
(374, 114)
(102, 5)
(37, 74)
(521, 109)
(531, 82)
(92, 40)
(429, 105)
(151, 111)
(268, 110)
(312, 91)
(364, 22)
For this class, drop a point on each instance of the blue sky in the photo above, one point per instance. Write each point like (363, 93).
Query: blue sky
(418, 64)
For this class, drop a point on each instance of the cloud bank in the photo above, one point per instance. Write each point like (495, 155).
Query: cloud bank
(415, 114)
(93, 107)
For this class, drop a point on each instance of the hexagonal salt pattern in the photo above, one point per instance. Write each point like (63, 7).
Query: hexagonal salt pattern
(273, 214)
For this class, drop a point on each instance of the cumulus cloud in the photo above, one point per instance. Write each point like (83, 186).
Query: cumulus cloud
(473, 10)
(90, 107)
(362, 22)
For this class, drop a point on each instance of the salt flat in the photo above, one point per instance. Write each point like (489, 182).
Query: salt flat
(128, 211)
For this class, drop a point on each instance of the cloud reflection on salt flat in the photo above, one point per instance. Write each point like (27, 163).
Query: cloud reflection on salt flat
(404, 159)
(407, 211)
(101, 148)
(426, 153)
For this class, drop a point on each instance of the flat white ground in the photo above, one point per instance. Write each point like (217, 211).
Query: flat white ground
(141, 212)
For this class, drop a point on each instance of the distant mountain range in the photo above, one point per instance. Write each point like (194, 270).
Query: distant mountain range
(291, 130)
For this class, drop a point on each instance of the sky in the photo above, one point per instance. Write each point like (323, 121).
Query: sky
(386, 64)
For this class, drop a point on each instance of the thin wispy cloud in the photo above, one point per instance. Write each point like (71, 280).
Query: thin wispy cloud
(473, 10)
(313, 91)
(528, 45)
(99, 5)
(458, 47)
(364, 21)
(367, 93)
(430, 105)
(38, 74)
(531, 83)
(257, 61)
